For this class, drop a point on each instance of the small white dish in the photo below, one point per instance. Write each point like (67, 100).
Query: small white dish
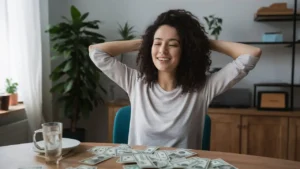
(67, 144)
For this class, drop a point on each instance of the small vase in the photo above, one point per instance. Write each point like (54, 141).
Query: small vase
(13, 99)
(4, 102)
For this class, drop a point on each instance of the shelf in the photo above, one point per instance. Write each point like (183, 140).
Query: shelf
(270, 18)
(269, 43)
(276, 84)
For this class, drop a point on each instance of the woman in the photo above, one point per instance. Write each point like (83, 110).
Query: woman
(171, 92)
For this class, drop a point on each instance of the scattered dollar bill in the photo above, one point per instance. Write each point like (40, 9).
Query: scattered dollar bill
(184, 153)
(184, 163)
(143, 162)
(134, 166)
(162, 155)
(151, 149)
(137, 151)
(220, 164)
(120, 152)
(86, 167)
(127, 159)
(99, 149)
(201, 163)
(95, 159)
(123, 146)
(111, 152)
(32, 167)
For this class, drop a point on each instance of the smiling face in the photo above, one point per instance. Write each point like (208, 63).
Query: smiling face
(166, 50)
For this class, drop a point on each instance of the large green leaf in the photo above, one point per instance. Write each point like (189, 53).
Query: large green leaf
(58, 87)
(68, 85)
(56, 76)
(60, 67)
(93, 34)
(84, 16)
(75, 13)
(68, 66)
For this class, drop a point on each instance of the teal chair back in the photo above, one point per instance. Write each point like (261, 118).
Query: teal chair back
(121, 128)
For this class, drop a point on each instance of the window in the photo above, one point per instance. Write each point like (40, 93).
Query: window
(7, 67)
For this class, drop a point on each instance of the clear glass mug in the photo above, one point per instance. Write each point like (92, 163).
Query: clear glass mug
(52, 136)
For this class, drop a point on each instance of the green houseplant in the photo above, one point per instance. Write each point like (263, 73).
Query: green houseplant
(76, 78)
(214, 25)
(126, 33)
(11, 88)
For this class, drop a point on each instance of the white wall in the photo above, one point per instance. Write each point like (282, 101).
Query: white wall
(46, 61)
(274, 66)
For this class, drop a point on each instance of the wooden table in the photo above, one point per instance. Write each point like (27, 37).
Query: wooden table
(14, 156)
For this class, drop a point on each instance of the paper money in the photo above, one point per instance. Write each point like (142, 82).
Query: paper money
(201, 163)
(134, 166)
(220, 164)
(127, 159)
(184, 153)
(143, 161)
(120, 152)
(98, 149)
(95, 159)
(162, 155)
(111, 152)
(151, 149)
(86, 167)
(184, 163)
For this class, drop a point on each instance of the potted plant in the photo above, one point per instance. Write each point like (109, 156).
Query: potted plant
(214, 25)
(126, 33)
(11, 88)
(76, 78)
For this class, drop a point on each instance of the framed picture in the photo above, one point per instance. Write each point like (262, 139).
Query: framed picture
(272, 100)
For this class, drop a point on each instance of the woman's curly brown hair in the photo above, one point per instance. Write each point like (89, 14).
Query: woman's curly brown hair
(195, 57)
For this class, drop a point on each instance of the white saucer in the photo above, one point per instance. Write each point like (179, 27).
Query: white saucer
(67, 144)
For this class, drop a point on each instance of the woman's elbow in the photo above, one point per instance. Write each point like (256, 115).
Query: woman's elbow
(257, 52)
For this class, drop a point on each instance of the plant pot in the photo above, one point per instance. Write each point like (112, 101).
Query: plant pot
(13, 99)
(4, 102)
(79, 134)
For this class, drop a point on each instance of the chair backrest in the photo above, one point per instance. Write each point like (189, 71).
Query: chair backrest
(121, 125)
(122, 121)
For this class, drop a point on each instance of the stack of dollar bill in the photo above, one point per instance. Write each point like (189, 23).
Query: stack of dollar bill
(152, 157)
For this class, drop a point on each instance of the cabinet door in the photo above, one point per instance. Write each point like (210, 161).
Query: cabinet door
(265, 136)
(225, 133)
(294, 139)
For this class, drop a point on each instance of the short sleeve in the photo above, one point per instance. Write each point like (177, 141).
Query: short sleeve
(229, 75)
(118, 72)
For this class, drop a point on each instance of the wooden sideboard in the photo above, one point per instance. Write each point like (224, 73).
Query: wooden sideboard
(245, 131)
(250, 131)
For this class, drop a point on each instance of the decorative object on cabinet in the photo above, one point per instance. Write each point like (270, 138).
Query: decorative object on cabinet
(272, 37)
(282, 85)
(272, 100)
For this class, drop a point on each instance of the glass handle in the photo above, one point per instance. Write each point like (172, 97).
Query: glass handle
(34, 139)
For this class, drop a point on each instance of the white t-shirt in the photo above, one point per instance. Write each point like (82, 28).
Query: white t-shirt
(168, 118)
